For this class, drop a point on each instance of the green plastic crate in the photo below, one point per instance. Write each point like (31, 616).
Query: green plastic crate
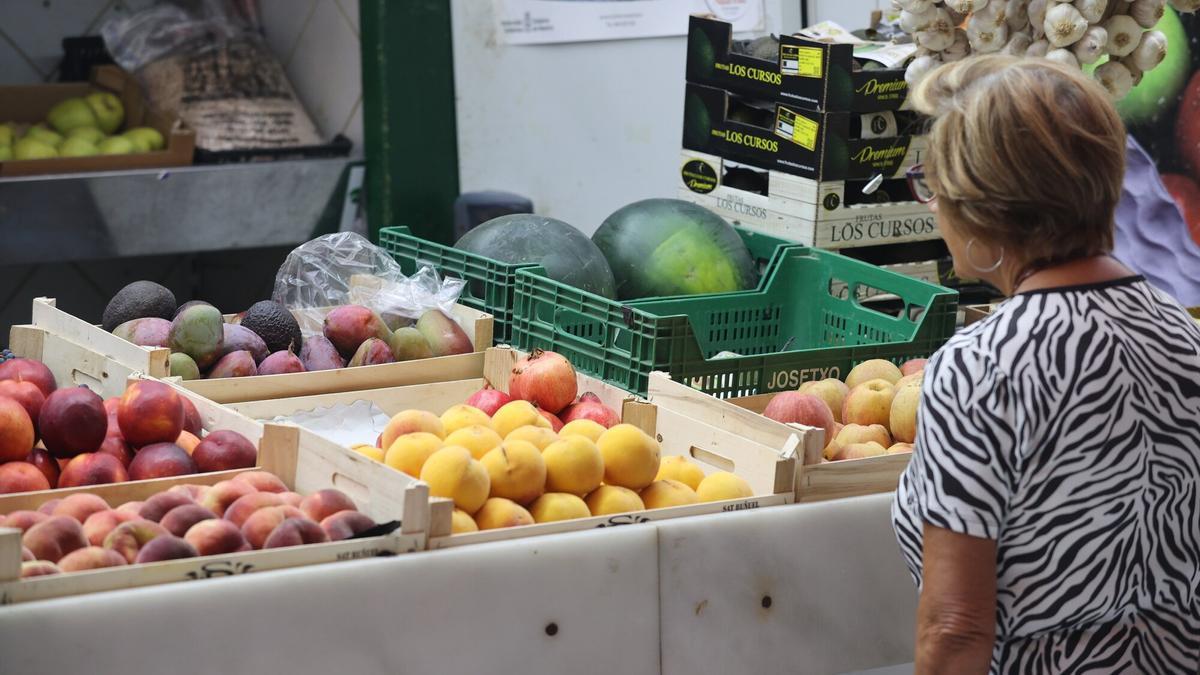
(791, 330)
(491, 284)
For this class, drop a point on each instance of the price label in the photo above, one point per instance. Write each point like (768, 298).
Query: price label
(797, 129)
(801, 61)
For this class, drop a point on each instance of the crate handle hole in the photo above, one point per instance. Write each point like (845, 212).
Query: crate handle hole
(712, 458)
(353, 489)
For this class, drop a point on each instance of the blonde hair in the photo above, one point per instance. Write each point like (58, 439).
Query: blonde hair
(1026, 154)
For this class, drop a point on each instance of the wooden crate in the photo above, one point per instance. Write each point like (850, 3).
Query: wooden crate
(770, 470)
(124, 358)
(816, 480)
(805, 211)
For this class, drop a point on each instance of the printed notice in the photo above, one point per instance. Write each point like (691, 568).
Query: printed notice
(526, 22)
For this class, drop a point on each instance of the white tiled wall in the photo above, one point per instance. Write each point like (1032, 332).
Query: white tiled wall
(317, 41)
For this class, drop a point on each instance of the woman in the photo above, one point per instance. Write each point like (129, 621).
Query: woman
(1051, 510)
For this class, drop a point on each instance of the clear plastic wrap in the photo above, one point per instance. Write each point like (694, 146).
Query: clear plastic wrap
(345, 268)
(172, 28)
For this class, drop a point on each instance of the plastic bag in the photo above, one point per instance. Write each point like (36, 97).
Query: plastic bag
(171, 28)
(345, 269)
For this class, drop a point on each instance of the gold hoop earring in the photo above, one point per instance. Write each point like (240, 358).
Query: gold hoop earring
(990, 268)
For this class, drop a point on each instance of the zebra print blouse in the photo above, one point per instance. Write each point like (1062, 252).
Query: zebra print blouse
(1066, 427)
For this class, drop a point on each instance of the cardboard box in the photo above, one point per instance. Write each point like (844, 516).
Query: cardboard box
(29, 104)
(812, 75)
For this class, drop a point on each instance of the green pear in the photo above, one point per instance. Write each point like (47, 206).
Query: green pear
(5, 153)
(71, 114)
(145, 138)
(6, 134)
(77, 147)
(108, 110)
(115, 145)
(89, 134)
(32, 148)
(39, 132)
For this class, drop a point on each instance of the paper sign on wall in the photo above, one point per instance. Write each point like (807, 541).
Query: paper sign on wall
(524, 22)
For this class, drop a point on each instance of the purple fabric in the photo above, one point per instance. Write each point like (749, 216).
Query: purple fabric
(1151, 236)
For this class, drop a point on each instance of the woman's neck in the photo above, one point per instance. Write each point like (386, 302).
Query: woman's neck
(1093, 270)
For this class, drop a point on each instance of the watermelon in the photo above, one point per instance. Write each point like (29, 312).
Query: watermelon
(664, 247)
(566, 253)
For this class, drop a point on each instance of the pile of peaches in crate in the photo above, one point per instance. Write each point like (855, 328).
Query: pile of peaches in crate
(872, 413)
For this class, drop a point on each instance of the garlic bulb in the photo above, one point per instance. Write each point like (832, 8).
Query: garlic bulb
(1037, 17)
(959, 50)
(1147, 12)
(1091, 46)
(915, 6)
(1092, 10)
(1120, 7)
(1017, 44)
(913, 23)
(958, 19)
(1064, 25)
(992, 15)
(918, 68)
(967, 6)
(1063, 56)
(1038, 49)
(1123, 35)
(1133, 70)
(1016, 14)
(1116, 78)
(1185, 6)
(939, 34)
(1150, 52)
(985, 38)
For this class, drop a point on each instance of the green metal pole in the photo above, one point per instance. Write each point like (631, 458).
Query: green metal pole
(408, 116)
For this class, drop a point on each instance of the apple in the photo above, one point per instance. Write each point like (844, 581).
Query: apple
(115, 145)
(6, 134)
(32, 148)
(857, 434)
(145, 138)
(912, 367)
(39, 132)
(831, 390)
(900, 448)
(869, 403)
(77, 147)
(873, 369)
(6, 153)
(91, 134)
(902, 419)
(109, 111)
(860, 451)
(69, 114)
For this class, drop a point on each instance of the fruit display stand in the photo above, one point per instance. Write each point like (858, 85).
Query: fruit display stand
(816, 480)
(795, 327)
(770, 470)
(129, 358)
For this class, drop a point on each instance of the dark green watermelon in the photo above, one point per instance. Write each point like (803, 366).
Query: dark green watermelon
(663, 247)
(566, 253)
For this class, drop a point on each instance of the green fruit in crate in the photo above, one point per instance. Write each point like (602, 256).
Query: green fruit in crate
(108, 109)
(91, 134)
(116, 145)
(69, 114)
(6, 153)
(664, 247)
(566, 253)
(31, 148)
(39, 132)
(198, 332)
(184, 366)
(408, 343)
(147, 139)
(138, 300)
(6, 134)
(77, 147)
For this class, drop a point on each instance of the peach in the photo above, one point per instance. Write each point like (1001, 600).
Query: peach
(188, 442)
(680, 468)
(224, 450)
(161, 460)
(902, 418)
(72, 421)
(291, 498)
(631, 456)
(516, 414)
(262, 481)
(160, 504)
(374, 452)
(129, 537)
(324, 503)
(410, 422)
(498, 512)
(54, 537)
(90, 558)
(240, 510)
(192, 423)
(150, 412)
(114, 444)
(221, 495)
(900, 448)
(573, 465)
(99, 524)
(860, 451)
(409, 452)
(192, 491)
(461, 521)
(295, 532)
(665, 493)
(516, 471)
(79, 506)
(453, 473)
(609, 499)
(28, 370)
(346, 524)
(133, 508)
(462, 416)
(831, 390)
(181, 518)
(722, 485)
(555, 506)
(873, 369)
(21, 477)
(26, 554)
(792, 407)
(913, 366)
(869, 403)
(45, 463)
(92, 468)
(478, 438)
(262, 522)
(541, 437)
(49, 505)
(16, 431)
(591, 429)
(213, 537)
(28, 395)
(23, 520)
(166, 547)
(38, 568)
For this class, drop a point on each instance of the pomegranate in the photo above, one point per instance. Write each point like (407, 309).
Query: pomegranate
(545, 379)
(556, 424)
(489, 400)
(589, 407)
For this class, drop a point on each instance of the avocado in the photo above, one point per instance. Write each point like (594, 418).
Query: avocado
(275, 325)
(139, 300)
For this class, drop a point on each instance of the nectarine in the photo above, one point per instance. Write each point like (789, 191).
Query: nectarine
(150, 412)
(45, 463)
(161, 460)
(16, 431)
(223, 450)
(21, 477)
(92, 468)
(28, 370)
(72, 421)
